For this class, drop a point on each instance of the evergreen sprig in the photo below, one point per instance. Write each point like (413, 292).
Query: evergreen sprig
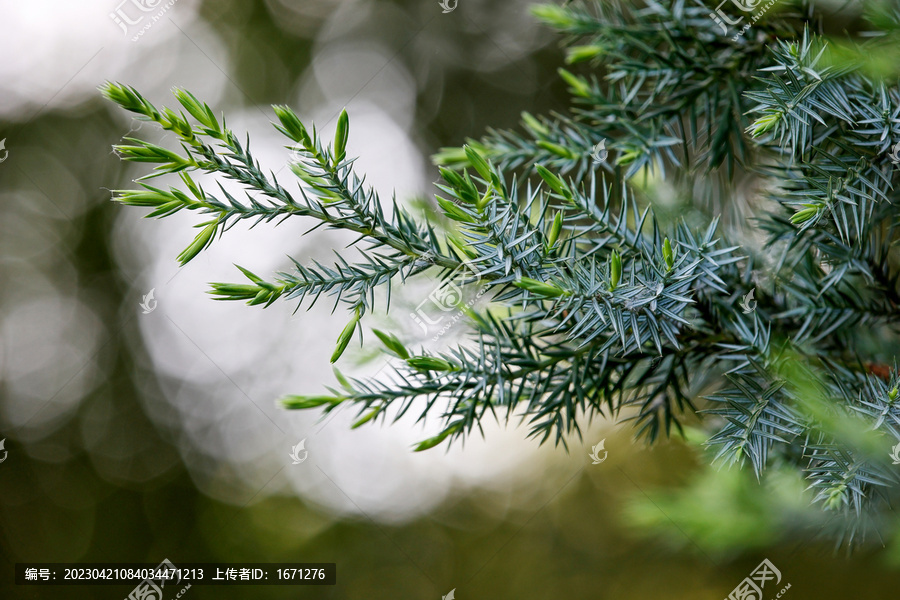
(777, 331)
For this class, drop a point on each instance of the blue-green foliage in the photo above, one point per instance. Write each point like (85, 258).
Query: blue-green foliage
(597, 306)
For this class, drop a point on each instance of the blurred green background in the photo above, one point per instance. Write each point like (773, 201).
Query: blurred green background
(137, 437)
